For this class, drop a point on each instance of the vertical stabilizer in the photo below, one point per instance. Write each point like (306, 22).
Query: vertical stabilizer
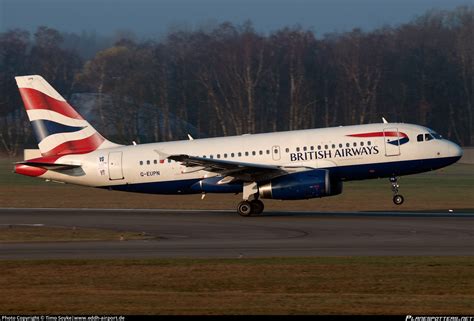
(58, 128)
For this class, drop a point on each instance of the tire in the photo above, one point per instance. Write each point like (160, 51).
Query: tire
(257, 206)
(398, 200)
(244, 208)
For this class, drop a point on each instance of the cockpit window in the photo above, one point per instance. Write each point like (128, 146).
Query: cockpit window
(436, 135)
(428, 136)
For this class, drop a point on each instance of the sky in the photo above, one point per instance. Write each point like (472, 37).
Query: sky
(153, 18)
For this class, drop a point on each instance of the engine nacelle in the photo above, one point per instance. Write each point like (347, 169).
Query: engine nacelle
(303, 185)
(210, 185)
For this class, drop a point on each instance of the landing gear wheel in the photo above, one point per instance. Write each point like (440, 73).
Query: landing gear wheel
(398, 199)
(257, 206)
(244, 208)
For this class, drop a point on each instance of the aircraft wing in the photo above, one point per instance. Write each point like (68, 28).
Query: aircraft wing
(234, 171)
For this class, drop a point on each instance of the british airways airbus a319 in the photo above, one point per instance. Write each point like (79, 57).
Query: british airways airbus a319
(290, 165)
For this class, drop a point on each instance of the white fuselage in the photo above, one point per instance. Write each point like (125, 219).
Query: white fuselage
(343, 150)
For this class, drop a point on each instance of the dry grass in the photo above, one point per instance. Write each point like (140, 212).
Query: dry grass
(362, 285)
(20, 233)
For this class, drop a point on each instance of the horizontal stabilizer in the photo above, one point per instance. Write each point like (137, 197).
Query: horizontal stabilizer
(49, 164)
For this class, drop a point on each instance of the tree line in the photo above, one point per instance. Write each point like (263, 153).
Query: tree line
(232, 80)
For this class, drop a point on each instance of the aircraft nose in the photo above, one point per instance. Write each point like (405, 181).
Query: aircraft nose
(456, 150)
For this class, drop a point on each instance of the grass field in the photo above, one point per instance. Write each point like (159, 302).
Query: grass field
(448, 188)
(363, 285)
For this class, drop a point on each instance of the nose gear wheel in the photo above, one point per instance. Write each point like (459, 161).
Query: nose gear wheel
(397, 198)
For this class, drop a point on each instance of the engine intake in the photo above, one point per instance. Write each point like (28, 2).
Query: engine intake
(303, 185)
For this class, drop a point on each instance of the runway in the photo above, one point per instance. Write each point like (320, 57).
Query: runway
(224, 234)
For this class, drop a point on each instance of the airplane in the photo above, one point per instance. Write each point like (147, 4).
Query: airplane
(289, 165)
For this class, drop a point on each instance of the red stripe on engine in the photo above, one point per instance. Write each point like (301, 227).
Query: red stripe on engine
(34, 99)
(29, 170)
(80, 146)
(380, 134)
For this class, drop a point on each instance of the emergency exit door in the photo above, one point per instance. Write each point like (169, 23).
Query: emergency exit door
(115, 166)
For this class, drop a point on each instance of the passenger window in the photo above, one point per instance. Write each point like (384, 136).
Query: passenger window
(325, 146)
(211, 156)
(141, 162)
(419, 138)
(155, 162)
(297, 149)
(312, 147)
(340, 145)
(239, 154)
(355, 144)
(268, 152)
(361, 143)
(218, 155)
(319, 146)
(225, 155)
(246, 153)
(275, 151)
(428, 137)
(333, 146)
(203, 156)
(232, 154)
(287, 150)
(304, 148)
(348, 145)
(148, 162)
(254, 153)
(169, 160)
(369, 143)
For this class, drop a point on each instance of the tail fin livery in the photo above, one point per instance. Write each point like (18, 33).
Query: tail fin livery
(58, 128)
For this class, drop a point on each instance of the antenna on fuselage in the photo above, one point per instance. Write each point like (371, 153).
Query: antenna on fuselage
(190, 137)
(384, 120)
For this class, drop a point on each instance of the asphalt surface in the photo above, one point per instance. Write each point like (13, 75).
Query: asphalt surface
(183, 233)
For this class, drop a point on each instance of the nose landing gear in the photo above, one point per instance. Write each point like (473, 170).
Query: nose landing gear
(397, 198)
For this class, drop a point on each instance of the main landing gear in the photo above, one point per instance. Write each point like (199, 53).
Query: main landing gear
(247, 208)
(251, 204)
(397, 198)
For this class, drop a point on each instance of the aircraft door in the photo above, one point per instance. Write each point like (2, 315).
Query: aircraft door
(276, 152)
(115, 166)
(392, 141)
